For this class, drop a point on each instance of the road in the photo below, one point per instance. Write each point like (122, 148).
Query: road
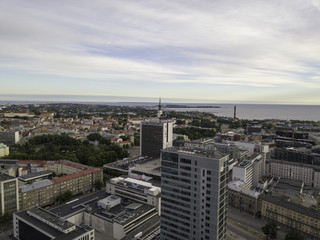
(248, 222)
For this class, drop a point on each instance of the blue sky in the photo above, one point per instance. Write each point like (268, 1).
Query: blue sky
(207, 51)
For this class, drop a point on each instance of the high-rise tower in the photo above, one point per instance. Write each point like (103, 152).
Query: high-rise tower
(193, 194)
(154, 136)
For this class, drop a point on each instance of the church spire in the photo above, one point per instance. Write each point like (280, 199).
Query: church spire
(159, 110)
(159, 103)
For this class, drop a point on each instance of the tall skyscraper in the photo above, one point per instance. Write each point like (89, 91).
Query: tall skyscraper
(193, 194)
(154, 136)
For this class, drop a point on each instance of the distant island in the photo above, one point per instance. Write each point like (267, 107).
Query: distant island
(188, 106)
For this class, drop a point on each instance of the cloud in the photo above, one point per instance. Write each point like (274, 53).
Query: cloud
(249, 43)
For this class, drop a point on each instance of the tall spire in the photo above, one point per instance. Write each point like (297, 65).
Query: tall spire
(159, 103)
(159, 110)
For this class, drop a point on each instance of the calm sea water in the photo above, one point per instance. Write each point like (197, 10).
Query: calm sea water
(263, 111)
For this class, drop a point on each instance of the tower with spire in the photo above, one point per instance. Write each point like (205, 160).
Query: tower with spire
(159, 109)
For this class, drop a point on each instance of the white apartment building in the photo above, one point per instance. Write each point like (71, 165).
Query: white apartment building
(309, 174)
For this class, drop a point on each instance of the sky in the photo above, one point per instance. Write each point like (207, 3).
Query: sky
(249, 51)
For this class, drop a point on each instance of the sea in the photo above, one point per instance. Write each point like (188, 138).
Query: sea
(263, 111)
(243, 111)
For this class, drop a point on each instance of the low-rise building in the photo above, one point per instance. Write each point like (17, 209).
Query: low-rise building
(289, 215)
(113, 216)
(4, 150)
(138, 190)
(79, 179)
(37, 223)
(242, 198)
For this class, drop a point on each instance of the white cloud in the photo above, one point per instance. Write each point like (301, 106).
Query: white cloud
(248, 43)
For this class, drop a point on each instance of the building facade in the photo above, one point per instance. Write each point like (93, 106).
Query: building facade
(137, 190)
(9, 194)
(193, 194)
(40, 224)
(9, 137)
(291, 216)
(155, 136)
(79, 179)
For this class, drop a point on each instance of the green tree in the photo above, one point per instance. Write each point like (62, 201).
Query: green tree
(293, 234)
(94, 137)
(66, 196)
(270, 230)
(98, 185)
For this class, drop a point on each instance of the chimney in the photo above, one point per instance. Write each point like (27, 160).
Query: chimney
(235, 112)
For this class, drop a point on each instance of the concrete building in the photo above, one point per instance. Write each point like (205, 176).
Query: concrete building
(154, 136)
(140, 191)
(40, 224)
(9, 137)
(242, 198)
(112, 216)
(250, 171)
(288, 188)
(293, 170)
(79, 179)
(4, 150)
(289, 215)
(9, 194)
(193, 194)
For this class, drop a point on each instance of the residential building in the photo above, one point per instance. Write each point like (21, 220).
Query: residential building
(296, 155)
(9, 194)
(39, 224)
(193, 194)
(242, 198)
(290, 215)
(9, 137)
(4, 150)
(78, 179)
(154, 136)
(294, 170)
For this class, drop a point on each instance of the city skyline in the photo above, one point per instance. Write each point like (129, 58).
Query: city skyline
(207, 51)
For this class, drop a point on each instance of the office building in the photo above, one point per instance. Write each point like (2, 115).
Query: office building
(39, 224)
(250, 170)
(114, 217)
(9, 194)
(154, 136)
(9, 137)
(138, 190)
(193, 194)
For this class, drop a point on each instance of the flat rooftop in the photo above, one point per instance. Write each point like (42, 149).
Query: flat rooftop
(209, 153)
(125, 212)
(59, 235)
(309, 211)
(152, 167)
(5, 177)
(289, 186)
(238, 186)
(35, 175)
